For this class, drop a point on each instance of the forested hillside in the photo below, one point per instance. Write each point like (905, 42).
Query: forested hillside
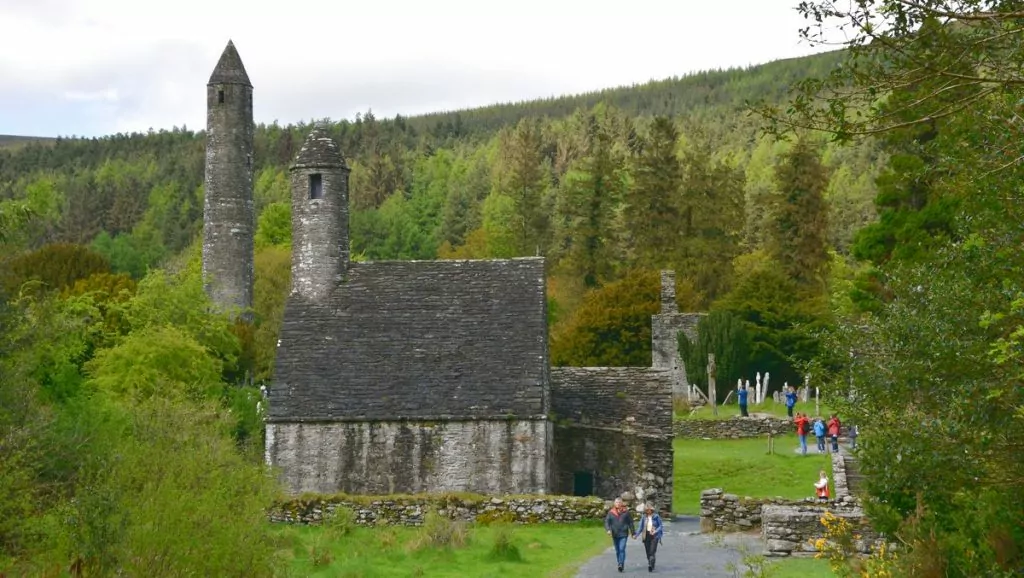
(669, 174)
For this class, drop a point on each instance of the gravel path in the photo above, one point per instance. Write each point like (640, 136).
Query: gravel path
(683, 552)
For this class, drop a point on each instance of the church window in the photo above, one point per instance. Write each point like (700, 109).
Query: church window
(220, 96)
(316, 186)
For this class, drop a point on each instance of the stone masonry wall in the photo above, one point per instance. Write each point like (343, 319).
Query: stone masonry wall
(665, 329)
(228, 210)
(792, 530)
(731, 428)
(320, 240)
(410, 510)
(377, 458)
(723, 512)
(614, 424)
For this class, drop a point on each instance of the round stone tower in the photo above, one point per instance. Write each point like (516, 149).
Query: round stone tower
(228, 210)
(320, 246)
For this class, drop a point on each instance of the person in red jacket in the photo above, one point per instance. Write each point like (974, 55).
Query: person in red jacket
(833, 432)
(802, 425)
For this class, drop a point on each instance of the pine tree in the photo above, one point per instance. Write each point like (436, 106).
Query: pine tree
(652, 213)
(800, 236)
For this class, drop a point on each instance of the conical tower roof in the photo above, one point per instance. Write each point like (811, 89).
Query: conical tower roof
(319, 151)
(230, 69)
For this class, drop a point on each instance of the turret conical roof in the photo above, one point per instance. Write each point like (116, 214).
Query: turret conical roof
(230, 69)
(319, 151)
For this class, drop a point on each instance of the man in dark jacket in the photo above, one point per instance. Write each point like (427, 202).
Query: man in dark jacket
(619, 525)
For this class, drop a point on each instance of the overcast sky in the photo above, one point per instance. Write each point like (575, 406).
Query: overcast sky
(95, 67)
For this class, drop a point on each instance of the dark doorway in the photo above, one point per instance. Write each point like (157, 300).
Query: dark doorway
(583, 484)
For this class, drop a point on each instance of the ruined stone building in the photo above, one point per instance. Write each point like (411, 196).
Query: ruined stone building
(424, 376)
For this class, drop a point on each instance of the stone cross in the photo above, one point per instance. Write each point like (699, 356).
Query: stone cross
(712, 393)
(765, 394)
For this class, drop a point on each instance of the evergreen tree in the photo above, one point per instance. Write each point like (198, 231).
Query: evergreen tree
(589, 201)
(799, 241)
(724, 334)
(652, 213)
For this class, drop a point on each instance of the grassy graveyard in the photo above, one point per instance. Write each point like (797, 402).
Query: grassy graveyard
(769, 407)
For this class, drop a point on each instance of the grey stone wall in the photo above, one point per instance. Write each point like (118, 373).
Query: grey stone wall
(665, 328)
(792, 529)
(410, 510)
(724, 512)
(615, 424)
(228, 211)
(359, 457)
(732, 428)
(320, 237)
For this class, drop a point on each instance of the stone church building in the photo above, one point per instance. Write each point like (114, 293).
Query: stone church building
(423, 376)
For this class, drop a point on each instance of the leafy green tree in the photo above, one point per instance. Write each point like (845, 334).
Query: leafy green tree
(156, 361)
(274, 227)
(612, 327)
(52, 268)
(270, 291)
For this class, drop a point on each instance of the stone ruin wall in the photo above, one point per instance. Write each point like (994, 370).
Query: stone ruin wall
(410, 510)
(788, 527)
(393, 457)
(616, 423)
(731, 428)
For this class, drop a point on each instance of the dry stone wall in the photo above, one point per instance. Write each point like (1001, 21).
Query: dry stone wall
(410, 510)
(792, 529)
(732, 428)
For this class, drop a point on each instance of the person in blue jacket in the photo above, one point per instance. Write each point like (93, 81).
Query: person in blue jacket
(651, 530)
(741, 397)
(790, 401)
(819, 432)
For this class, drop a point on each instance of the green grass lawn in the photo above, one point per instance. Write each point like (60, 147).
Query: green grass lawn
(546, 550)
(745, 468)
(768, 407)
(800, 568)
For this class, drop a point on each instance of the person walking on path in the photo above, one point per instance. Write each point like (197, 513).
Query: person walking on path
(833, 432)
(741, 396)
(851, 433)
(802, 424)
(790, 401)
(819, 432)
(619, 525)
(651, 529)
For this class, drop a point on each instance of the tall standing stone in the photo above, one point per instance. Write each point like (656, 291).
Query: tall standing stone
(320, 241)
(228, 209)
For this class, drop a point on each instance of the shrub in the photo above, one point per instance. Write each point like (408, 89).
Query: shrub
(440, 533)
(340, 521)
(504, 548)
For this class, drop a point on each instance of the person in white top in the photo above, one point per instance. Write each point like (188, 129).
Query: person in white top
(652, 530)
(821, 487)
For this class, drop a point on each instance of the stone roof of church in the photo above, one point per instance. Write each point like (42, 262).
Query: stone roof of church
(417, 340)
(319, 151)
(229, 69)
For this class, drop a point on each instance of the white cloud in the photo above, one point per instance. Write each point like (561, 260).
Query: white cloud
(318, 58)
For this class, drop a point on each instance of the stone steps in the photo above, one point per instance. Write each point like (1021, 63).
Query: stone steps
(854, 479)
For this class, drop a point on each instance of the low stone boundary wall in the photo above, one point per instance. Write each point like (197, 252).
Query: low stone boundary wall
(723, 512)
(410, 510)
(792, 530)
(731, 428)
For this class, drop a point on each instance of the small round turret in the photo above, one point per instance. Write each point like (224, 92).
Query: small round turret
(320, 243)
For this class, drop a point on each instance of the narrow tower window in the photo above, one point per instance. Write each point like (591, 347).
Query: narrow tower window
(316, 186)
(220, 96)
